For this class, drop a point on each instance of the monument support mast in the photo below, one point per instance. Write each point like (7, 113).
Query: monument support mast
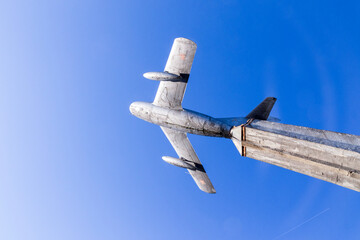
(329, 156)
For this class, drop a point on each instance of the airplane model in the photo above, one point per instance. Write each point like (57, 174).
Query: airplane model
(176, 121)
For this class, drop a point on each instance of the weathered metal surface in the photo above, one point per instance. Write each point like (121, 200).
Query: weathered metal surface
(326, 155)
(330, 156)
(167, 112)
(183, 163)
(162, 76)
(171, 94)
(182, 120)
(184, 150)
(175, 121)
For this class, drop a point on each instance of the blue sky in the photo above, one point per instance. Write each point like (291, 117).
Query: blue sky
(74, 163)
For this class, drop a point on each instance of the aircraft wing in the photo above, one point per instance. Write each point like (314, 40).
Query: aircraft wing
(170, 93)
(183, 148)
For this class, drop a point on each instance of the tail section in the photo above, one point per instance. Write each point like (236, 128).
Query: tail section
(263, 110)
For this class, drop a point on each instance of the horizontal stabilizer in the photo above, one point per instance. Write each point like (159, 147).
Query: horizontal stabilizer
(263, 110)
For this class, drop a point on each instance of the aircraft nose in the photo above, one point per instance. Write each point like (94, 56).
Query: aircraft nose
(140, 109)
(132, 108)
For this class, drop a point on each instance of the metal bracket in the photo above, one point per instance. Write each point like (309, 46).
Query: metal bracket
(243, 135)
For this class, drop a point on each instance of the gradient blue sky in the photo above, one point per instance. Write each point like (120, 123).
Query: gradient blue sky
(74, 163)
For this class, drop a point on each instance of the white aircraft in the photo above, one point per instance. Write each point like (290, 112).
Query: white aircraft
(176, 121)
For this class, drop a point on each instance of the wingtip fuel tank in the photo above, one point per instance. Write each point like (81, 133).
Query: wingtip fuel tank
(162, 76)
(178, 162)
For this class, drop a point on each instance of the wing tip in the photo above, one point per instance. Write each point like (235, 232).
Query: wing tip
(185, 40)
(213, 191)
(208, 190)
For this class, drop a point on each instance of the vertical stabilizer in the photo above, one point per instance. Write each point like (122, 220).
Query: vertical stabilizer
(263, 110)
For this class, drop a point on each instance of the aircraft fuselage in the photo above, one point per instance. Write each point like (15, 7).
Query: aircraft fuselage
(181, 119)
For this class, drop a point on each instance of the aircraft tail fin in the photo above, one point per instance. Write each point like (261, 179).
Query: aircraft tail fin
(263, 110)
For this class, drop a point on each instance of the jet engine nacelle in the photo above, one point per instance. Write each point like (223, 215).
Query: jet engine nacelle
(178, 162)
(162, 76)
